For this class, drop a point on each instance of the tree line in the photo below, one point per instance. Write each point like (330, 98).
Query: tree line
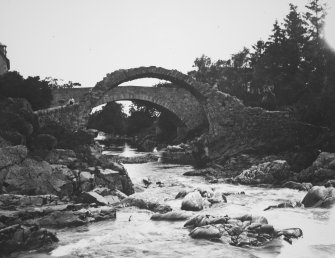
(294, 69)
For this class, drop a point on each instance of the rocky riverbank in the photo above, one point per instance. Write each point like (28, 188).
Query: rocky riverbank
(60, 192)
(51, 178)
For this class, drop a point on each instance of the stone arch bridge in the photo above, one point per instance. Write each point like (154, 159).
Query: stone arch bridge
(232, 127)
(183, 108)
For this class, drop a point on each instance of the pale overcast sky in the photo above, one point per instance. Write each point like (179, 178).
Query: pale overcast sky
(82, 40)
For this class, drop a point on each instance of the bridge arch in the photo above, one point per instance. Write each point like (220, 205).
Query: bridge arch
(211, 100)
(178, 102)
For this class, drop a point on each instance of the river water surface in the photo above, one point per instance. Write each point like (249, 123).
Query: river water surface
(133, 234)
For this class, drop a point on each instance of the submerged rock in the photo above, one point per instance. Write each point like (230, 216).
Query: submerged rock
(145, 204)
(171, 216)
(203, 220)
(192, 202)
(287, 204)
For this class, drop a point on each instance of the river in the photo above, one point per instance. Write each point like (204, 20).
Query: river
(133, 234)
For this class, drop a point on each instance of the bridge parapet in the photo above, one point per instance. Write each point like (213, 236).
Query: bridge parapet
(66, 116)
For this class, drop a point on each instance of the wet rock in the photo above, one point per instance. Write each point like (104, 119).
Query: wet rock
(252, 219)
(61, 219)
(138, 188)
(265, 173)
(246, 230)
(319, 196)
(192, 202)
(145, 204)
(233, 193)
(182, 194)
(146, 182)
(330, 183)
(138, 159)
(171, 216)
(200, 172)
(92, 197)
(7, 200)
(290, 232)
(202, 220)
(207, 232)
(114, 176)
(206, 192)
(103, 191)
(21, 238)
(297, 186)
(287, 204)
(217, 198)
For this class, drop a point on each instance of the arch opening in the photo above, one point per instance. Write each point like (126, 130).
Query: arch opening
(198, 91)
(144, 117)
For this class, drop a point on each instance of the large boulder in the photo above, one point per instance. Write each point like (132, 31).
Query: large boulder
(207, 232)
(93, 197)
(266, 173)
(192, 202)
(18, 238)
(60, 219)
(32, 177)
(319, 196)
(322, 169)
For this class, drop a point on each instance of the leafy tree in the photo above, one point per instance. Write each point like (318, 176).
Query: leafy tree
(110, 119)
(60, 84)
(36, 91)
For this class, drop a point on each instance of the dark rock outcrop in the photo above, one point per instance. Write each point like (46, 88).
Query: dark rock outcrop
(265, 173)
(145, 204)
(322, 169)
(19, 238)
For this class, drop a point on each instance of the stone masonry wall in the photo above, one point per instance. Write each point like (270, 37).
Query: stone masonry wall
(233, 128)
(178, 101)
(66, 116)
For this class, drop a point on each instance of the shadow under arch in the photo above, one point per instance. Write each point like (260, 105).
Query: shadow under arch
(199, 90)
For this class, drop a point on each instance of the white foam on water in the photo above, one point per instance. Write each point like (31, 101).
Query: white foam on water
(317, 240)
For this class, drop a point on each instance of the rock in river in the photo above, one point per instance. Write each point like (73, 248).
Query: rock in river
(171, 216)
(208, 232)
(319, 196)
(192, 202)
